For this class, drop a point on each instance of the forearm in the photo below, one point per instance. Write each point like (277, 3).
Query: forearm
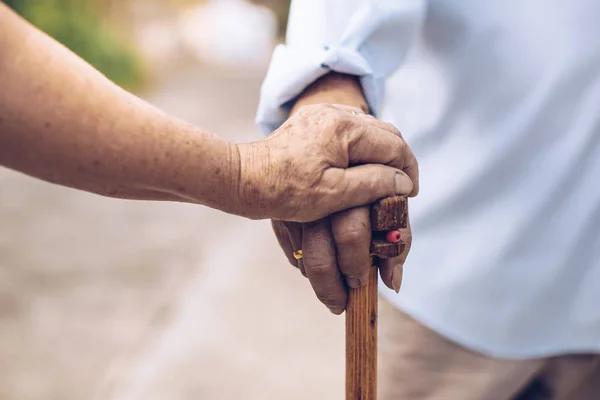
(62, 121)
(333, 88)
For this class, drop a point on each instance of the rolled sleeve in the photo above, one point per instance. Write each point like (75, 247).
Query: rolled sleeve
(368, 39)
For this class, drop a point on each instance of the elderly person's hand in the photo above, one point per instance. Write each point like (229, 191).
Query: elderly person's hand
(325, 159)
(69, 125)
(336, 248)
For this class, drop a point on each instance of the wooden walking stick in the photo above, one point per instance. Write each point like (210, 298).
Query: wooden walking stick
(361, 311)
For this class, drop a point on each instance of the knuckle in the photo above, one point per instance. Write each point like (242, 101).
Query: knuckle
(399, 153)
(393, 129)
(352, 235)
(352, 227)
(402, 145)
(337, 117)
(342, 120)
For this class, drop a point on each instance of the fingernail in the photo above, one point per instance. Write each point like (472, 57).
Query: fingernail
(397, 278)
(336, 311)
(403, 184)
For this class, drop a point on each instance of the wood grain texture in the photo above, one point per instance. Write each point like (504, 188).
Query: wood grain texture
(381, 248)
(361, 341)
(389, 213)
(361, 309)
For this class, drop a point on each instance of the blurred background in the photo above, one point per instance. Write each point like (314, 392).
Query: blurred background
(113, 299)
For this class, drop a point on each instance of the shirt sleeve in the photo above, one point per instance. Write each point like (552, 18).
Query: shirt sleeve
(366, 38)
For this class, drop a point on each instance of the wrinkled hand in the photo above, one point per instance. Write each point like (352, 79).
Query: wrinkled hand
(324, 159)
(336, 248)
(336, 254)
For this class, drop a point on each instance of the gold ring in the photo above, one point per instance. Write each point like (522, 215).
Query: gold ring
(298, 254)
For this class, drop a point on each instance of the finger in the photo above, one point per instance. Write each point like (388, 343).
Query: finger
(321, 265)
(295, 234)
(372, 141)
(363, 184)
(410, 166)
(283, 238)
(352, 235)
(391, 269)
(380, 146)
(400, 156)
(360, 127)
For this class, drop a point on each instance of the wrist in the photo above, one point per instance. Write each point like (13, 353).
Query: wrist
(253, 180)
(196, 166)
(333, 88)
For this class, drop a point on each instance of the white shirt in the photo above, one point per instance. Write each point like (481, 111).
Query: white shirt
(500, 101)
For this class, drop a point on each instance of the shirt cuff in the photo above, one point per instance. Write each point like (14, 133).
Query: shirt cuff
(292, 70)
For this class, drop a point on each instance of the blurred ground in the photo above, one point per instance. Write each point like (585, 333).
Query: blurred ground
(111, 299)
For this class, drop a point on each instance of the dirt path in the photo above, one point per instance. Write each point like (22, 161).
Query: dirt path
(108, 299)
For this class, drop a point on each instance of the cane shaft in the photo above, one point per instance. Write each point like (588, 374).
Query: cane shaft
(361, 340)
(361, 309)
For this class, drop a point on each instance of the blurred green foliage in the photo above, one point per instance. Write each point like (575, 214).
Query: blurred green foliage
(80, 26)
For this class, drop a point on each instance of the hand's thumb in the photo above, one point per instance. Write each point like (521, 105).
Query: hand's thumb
(364, 184)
